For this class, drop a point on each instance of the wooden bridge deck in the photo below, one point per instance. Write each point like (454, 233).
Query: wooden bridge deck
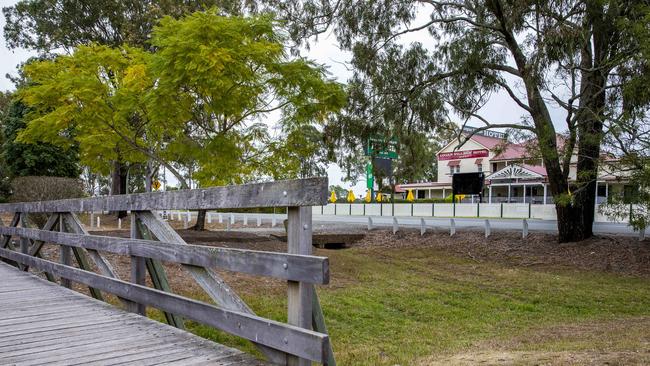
(42, 323)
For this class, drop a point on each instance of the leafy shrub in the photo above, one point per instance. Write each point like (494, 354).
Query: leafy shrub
(30, 189)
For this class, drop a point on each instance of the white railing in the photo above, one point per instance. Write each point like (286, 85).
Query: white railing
(482, 210)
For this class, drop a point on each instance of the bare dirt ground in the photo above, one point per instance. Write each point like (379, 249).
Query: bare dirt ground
(616, 254)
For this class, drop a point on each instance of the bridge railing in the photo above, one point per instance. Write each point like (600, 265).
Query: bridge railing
(152, 240)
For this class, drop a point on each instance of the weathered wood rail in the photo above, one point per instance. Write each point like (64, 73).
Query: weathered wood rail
(303, 340)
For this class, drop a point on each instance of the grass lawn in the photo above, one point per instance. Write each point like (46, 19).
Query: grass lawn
(401, 306)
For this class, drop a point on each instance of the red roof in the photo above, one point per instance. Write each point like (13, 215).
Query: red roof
(489, 142)
(511, 151)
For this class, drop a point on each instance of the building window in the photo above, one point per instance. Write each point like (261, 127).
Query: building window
(480, 167)
(494, 167)
(421, 194)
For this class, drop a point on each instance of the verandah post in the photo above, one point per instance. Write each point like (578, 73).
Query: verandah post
(299, 241)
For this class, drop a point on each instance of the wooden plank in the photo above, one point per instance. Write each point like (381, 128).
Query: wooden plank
(6, 239)
(73, 225)
(294, 267)
(208, 279)
(66, 254)
(297, 341)
(300, 192)
(299, 241)
(158, 275)
(318, 324)
(137, 269)
(52, 220)
(24, 242)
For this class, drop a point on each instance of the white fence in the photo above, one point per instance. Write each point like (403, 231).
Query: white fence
(484, 210)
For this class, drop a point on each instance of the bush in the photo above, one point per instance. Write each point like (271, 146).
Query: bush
(30, 189)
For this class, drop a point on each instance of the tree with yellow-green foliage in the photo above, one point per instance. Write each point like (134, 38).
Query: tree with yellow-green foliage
(205, 96)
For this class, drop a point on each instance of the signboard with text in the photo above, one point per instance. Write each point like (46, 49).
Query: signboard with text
(381, 148)
(486, 133)
(467, 154)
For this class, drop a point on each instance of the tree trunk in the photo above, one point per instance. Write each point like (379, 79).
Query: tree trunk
(124, 171)
(200, 221)
(118, 183)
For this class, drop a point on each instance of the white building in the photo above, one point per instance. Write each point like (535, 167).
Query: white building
(511, 174)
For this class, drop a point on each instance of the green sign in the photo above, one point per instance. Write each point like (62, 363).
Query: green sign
(382, 148)
(370, 179)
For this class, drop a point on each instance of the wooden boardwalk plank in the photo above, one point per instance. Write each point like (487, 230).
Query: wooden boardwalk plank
(42, 323)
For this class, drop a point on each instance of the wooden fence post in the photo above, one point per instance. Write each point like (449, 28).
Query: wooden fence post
(395, 225)
(66, 254)
(452, 227)
(119, 223)
(245, 220)
(300, 295)
(209, 217)
(259, 220)
(24, 242)
(369, 223)
(488, 229)
(220, 218)
(137, 267)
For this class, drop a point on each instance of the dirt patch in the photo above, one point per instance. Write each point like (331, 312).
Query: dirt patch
(544, 358)
(614, 342)
(616, 254)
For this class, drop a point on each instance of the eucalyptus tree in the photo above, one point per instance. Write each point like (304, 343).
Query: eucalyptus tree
(578, 56)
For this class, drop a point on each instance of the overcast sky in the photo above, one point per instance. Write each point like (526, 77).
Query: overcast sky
(500, 109)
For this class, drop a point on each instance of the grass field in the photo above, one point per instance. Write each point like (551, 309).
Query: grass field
(407, 306)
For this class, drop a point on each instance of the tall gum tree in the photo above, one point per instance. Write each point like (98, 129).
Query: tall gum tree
(573, 55)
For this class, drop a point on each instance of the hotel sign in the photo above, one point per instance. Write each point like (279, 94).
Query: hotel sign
(467, 154)
(486, 133)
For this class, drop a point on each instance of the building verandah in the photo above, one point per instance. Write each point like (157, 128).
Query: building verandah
(512, 184)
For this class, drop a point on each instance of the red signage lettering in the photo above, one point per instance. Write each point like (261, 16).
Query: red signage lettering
(467, 154)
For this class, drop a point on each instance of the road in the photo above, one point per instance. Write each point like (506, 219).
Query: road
(549, 226)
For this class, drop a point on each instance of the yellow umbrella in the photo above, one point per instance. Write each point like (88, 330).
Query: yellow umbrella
(333, 197)
(378, 197)
(351, 197)
(368, 196)
(410, 197)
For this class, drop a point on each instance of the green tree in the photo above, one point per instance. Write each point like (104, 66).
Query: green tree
(50, 25)
(47, 25)
(198, 100)
(576, 55)
(34, 159)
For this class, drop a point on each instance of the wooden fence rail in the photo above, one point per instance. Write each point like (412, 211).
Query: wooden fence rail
(153, 241)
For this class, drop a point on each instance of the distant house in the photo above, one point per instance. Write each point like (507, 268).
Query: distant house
(513, 173)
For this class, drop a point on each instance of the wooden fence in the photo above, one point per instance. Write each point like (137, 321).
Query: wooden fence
(303, 340)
